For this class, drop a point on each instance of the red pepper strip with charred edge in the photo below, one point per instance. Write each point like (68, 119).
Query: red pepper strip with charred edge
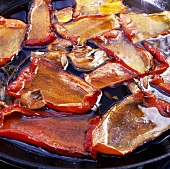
(118, 46)
(158, 81)
(161, 105)
(40, 28)
(59, 90)
(127, 125)
(64, 135)
(109, 74)
(12, 34)
(112, 42)
(160, 60)
(97, 24)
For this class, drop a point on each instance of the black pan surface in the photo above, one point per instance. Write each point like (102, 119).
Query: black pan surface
(24, 155)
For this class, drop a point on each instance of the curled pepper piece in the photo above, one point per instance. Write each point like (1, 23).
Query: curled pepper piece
(64, 135)
(40, 30)
(87, 58)
(57, 89)
(97, 24)
(140, 27)
(127, 125)
(12, 34)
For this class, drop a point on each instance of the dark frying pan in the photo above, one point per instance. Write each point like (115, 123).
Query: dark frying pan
(23, 155)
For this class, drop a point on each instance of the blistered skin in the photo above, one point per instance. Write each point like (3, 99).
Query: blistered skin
(39, 32)
(57, 89)
(75, 30)
(128, 125)
(12, 34)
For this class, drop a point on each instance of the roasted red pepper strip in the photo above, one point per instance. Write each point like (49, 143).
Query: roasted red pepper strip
(143, 26)
(40, 28)
(128, 124)
(109, 74)
(97, 24)
(118, 46)
(11, 30)
(58, 89)
(64, 135)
